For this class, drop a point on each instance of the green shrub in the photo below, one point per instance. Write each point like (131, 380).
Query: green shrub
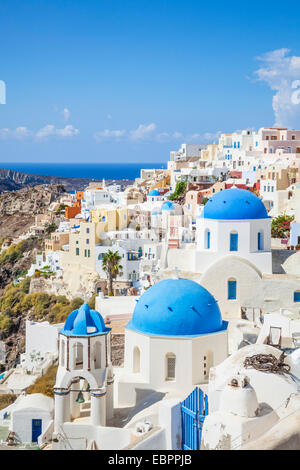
(5, 323)
(45, 384)
(92, 302)
(281, 226)
(7, 399)
(179, 190)
(76, 303)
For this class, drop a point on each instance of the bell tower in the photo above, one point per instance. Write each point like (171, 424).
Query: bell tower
(85, 375)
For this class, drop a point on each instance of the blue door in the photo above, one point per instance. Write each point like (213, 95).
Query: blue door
(233, 242)
(36, 429)
(193, 411)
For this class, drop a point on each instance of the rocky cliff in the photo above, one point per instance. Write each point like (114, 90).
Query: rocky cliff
(11, 180)
(29, 200)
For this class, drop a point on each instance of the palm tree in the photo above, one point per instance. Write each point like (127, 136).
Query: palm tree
(110, 264)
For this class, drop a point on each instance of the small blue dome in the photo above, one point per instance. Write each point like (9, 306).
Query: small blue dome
(168, 206)
(234, 204)
(154, 192)
(176, 307)
(84, 322)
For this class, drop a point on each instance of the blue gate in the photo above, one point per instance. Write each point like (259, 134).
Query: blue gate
(193, 411)
(36, 429)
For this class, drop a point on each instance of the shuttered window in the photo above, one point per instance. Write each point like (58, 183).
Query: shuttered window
(233, 242)
(171, 365)
(297, 296)
(232, 290)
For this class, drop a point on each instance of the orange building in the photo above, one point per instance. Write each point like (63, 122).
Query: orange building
(71, 212)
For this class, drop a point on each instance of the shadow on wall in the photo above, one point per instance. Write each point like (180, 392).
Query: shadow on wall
(144, 399)
(278, 258)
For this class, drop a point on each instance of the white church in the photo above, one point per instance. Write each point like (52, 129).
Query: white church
(175, 336)
(233, 252)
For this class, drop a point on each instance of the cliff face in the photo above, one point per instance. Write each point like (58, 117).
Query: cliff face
(19, 208)
(31, 201)
(11, 180)
(21, 179)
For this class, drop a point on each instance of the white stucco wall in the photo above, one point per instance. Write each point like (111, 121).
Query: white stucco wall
(41, 337)
(35, 406)
(191, 355)
(247, 231)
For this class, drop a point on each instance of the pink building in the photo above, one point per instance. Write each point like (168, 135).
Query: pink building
(272, 140)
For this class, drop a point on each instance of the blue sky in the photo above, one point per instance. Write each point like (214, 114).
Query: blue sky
(129, 80)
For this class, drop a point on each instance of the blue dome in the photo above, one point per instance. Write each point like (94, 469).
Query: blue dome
(176, 307)
(234, 204)
(154, 192)
(84, 322)
(168, 206)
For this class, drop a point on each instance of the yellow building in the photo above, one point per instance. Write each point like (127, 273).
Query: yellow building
(56, 242)
(210, 152)
(109, 219)
(81, 254)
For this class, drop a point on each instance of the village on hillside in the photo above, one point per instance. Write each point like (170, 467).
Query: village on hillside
(158, 315)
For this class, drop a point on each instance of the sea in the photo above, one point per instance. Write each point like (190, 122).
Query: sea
(109, 171)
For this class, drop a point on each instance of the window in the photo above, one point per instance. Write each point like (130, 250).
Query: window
(234, 241)
(97, 355)
(297, 296)
(260, 240)
(78, 356)
(231, 288)
(77, 251)
(136, 360)
(87, 241)
(171, 366)
(87, 230)
(207, 239)
(62, 353)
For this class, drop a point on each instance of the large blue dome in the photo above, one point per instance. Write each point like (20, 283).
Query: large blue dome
(234, 204)
(84, 322)
(168, 206)
(176, 307)
(154, 192)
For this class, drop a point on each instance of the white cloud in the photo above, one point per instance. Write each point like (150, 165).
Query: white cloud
(66, 113)
(67, 131)
(51, 131)
(107, 134)
(19, 133)
(167, 137)
(281, 71)
(146, 132)
(143, 132)
(45, 132)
